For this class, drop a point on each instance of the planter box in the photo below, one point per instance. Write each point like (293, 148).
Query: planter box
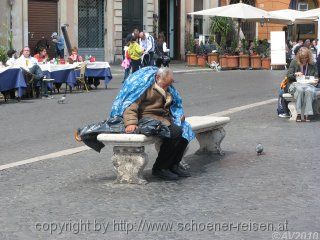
(255, 61)
(223, 61)
(202, 61)
(191, 59)
(213, 57)
(244, 61)
(233, 62)
(265, 62)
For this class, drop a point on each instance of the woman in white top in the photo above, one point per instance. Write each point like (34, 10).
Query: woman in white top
(162, 51)
(12, 54)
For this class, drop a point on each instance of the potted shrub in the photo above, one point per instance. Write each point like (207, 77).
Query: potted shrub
(3, 56)
(233, 58)
(191, 57)
(202, 55)
(244, 58)
(221, 26)
(255, 57)
(213, 54)
(265, 55)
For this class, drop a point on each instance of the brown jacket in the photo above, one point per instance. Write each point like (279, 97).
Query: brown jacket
(154, 103)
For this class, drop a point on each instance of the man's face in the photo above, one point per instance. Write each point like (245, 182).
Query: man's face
(142, 36)
(26, 52)
(136, 33)
(168, 80)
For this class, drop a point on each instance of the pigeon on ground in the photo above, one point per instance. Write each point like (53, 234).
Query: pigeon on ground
(259, 149)
(215, 66)
(62, 99)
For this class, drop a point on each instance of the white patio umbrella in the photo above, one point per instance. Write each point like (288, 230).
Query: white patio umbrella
(243, 11)
(311, 14)
(315, 15)
(295, 16)
(247, 12)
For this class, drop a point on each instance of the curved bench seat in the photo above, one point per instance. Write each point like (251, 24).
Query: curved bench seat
(129, 158)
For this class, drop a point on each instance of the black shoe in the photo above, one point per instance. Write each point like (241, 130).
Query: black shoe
(180, 171)
(165, 174)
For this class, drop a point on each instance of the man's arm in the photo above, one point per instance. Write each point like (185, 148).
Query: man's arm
(130, 115)
(149, 44)
(291, 74)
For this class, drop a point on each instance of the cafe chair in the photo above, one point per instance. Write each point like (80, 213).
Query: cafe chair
(82, 79)
(31, 88)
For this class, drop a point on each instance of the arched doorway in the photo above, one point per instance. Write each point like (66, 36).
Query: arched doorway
(248, 28)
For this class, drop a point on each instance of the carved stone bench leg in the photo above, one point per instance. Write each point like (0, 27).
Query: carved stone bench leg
(129, 163)
(293, 110)
(210, 141)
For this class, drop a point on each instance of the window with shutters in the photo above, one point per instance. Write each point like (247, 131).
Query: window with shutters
(304, 31)
(91, 24)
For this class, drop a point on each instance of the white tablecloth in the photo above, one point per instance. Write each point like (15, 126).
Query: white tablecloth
(97, 65)
(3, 69)
(57, 67)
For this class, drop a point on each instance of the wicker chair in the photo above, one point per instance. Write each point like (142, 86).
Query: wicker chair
(82, 79)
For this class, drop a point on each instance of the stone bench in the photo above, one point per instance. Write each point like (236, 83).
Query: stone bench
(129, 157)
(292, 104)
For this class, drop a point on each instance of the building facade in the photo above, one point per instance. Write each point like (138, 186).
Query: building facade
(98, 27)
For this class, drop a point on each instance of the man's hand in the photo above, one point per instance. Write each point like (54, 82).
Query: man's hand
(298, 74)
(131, 128)
(183, 118)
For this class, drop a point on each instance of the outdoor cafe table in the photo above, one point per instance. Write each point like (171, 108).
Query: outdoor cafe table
(98, 69)
(12, 78)
(61, 73)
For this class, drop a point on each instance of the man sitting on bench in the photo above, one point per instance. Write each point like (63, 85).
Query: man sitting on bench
(155, 103)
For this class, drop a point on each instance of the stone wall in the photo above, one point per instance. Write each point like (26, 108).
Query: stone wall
(148, 10)
(5, 23)
(117, 15)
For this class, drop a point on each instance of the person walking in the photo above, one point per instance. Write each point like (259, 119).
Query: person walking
(59, 43)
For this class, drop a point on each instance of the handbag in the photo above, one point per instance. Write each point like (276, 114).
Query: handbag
(284, 83)
(165, 59)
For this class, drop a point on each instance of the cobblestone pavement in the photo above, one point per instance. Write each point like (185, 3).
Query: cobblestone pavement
(237, 196)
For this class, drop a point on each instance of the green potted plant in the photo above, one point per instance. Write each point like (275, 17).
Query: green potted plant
(265, 55)
(201, 55)
(222, 26)
(255, 58)
(191, 57)
(3, 56)
(232, 57)
(244, 58)
(213, 55)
